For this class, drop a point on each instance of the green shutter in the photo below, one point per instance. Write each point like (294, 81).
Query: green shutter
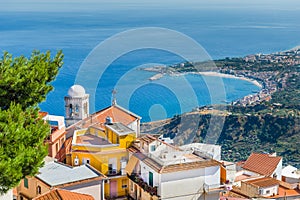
(26, 182)
(151, 179)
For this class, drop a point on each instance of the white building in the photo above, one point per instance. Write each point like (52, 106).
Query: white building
(260, 187)
(7, 196)
(76, 104)
(268, 165)
(291, 174)
(175, 173)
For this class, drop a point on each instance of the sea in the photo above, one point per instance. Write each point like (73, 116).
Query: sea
(223, 28)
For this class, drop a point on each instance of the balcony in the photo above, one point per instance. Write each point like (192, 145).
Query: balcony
(152, 191)
(114, 172)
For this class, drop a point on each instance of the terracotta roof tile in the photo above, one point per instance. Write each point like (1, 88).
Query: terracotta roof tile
(42, 114)
(189, 166)
(59, 194)
(147, 138)
(174, 167)
(133, 149)
(116, 112)
(263, 182)
(283, 193)
(263, 164)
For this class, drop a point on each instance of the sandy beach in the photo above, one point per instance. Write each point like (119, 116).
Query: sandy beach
(255, 82)
(209, 73)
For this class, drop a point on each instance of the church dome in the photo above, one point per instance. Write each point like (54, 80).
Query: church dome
(76, 91)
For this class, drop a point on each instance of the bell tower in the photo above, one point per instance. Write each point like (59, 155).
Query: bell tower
(76, 105)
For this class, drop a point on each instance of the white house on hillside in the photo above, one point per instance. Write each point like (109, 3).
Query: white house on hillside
(268, 165)
(160, 170)
(291, 174)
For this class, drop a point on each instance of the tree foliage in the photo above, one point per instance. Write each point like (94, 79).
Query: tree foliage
(26, 81)
(23, 84)
(21, 144)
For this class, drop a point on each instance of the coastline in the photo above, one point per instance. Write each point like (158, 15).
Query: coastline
(208, 73)
(255, 82)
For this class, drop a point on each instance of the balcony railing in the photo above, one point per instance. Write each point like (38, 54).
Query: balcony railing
(145, 186)
(114, 172)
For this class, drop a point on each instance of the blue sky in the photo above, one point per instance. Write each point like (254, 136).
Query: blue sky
(90, 5)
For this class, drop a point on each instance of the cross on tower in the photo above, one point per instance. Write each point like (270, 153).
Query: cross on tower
(114, 101)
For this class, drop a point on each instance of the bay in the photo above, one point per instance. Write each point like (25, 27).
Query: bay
(224, 31)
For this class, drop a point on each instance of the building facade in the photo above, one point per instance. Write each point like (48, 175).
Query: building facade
(83, 179)
(105, 150)
(158, 170)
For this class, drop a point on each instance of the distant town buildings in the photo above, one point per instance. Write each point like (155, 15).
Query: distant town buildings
(272, 81)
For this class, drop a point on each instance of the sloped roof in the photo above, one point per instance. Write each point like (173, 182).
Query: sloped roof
(59, 194)
(263, 164)
(98, 119)
(147, 138)
(42, 114)
(55, 174)
(284, 192)
(263, 182)
(185, 166)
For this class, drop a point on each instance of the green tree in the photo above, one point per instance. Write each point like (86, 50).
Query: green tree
(27, 81)
(23, 84)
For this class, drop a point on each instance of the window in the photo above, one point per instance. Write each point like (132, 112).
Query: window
(124, 183)
(38, 190)
(71, 110)
(152, 148)
(57, 147)
(26, 182)
(268, 192)
(86, 161)
(76, 108)
(110, 168)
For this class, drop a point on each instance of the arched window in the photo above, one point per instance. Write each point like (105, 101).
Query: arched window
(70, 110)
(76, 108)
(38, 190)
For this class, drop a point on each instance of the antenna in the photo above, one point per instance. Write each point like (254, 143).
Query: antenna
(114, 101)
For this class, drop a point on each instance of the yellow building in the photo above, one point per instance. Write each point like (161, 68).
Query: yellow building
(105, 148)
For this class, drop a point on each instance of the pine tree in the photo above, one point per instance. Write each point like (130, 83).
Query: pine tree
(23, 84)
